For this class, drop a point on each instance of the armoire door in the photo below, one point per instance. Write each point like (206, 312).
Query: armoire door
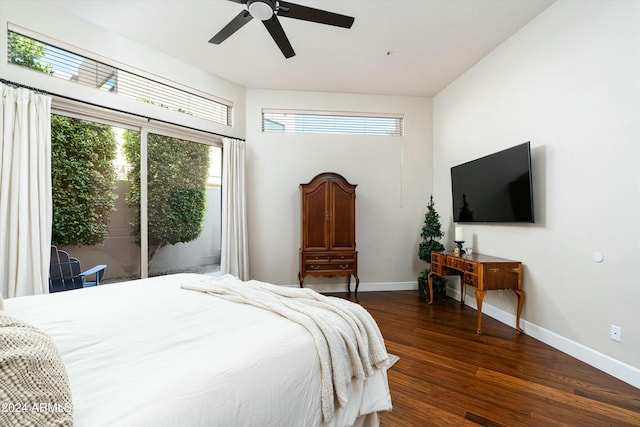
(315, 221)
(342, 217)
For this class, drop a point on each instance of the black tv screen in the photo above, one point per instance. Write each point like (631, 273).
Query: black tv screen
(494, 188)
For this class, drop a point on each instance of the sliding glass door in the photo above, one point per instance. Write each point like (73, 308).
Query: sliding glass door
(183, 205)
(142, 202)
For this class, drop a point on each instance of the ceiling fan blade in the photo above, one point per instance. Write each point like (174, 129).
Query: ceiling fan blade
(276, 31)
(234, 25)
(296, 11)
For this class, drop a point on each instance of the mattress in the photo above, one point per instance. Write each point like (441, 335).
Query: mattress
(147, 352)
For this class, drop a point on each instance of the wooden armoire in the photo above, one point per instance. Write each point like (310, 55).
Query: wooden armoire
(329, 229)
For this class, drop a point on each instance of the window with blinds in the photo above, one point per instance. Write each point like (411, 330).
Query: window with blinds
(348, 123)
(64, 64)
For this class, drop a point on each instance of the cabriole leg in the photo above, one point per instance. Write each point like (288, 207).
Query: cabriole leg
(479, 297)
(520, 294)
(430, 282)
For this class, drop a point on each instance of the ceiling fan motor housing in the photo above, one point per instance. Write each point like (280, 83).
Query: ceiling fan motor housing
(261, 9)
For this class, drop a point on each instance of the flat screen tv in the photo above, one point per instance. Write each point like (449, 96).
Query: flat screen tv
(494, 188)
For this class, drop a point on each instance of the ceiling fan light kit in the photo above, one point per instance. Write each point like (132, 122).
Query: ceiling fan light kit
(261, 9)
(268, 11)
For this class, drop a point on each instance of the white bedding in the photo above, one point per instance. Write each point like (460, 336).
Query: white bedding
(148, 353)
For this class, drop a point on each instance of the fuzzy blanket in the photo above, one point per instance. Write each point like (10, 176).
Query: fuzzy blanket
(34, 388)
(347, 339)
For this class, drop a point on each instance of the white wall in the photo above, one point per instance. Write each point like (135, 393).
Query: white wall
(201, 252)
(569, 82)
(393, 175)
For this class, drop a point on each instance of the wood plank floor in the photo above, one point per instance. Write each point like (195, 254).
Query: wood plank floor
(449, 376)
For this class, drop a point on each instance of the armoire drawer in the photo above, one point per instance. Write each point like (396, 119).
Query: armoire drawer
(342, 258)
(329, 268)
(319, 257)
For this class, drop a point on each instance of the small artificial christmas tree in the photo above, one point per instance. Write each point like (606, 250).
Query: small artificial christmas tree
(431, 233)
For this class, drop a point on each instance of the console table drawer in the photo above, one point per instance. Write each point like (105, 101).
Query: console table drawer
(471, 280)
(437, 268)
(501, 276)
(455, 262)
(437, 258)
(471, 267)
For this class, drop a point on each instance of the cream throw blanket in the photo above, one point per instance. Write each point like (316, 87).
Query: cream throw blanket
(34, 388)
(347, 339)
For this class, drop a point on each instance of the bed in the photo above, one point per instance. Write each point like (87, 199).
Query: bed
(173, 350)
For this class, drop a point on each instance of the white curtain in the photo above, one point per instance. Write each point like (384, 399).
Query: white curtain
(25, 192)
(234, 258)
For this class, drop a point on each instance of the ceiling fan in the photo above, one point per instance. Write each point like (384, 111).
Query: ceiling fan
(268, 11)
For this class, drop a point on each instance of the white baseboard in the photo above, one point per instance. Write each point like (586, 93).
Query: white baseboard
(364, 287)
(611, 366)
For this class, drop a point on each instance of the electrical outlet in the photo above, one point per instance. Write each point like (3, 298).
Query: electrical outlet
(616, 333)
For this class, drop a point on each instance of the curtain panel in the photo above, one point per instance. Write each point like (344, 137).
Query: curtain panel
(234, 257)
(26, 212)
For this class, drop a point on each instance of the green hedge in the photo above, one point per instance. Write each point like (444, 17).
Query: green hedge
(176, 188)
(83, 180)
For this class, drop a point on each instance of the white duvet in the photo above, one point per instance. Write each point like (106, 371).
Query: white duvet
(148, 353)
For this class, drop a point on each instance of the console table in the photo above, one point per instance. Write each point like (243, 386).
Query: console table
(484, 273)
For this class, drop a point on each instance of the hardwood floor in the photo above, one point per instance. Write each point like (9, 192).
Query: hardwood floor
(449, 376)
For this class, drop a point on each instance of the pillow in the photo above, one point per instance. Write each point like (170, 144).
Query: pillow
(34, 387)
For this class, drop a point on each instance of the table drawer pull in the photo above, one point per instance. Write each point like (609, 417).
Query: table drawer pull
(344, 266)
(314, 267)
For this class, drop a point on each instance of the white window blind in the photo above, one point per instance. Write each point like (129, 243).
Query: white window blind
(349, 123)
(64, 64)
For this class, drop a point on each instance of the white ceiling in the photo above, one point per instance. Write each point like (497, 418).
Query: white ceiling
(395, 47)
